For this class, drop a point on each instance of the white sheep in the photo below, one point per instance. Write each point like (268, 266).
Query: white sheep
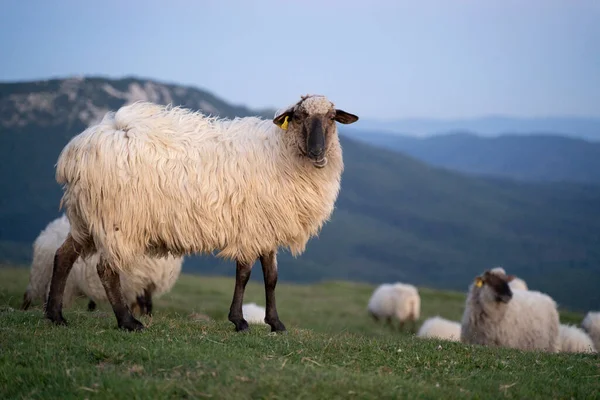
(440, 328)
(153, 180)
(591, 324)
(399, 300)
(152, 277)
(495, 315)
(254, 313)
(514, 282)
(574, 340)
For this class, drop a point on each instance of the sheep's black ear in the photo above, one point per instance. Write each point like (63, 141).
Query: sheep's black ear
(343, 117)
(280, 119)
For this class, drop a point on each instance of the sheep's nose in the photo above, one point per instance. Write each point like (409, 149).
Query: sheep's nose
(316, 152)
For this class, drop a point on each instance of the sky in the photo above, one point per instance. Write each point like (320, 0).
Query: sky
(377, 59)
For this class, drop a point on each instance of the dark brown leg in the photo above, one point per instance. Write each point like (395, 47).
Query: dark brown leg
(65, 257)
(269, 267)
(112, 284)
(144, 301)
(26, 302)
(91, 305)
(242, 274)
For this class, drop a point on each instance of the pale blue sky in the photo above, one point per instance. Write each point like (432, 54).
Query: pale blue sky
(445, 58)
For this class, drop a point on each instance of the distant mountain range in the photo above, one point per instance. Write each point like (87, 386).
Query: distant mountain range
(543, 158)
(397, 218)
(581, 127)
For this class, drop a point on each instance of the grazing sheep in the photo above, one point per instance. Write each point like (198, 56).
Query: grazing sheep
(154, 180)
(151, 277)
(496, 316)
(574, 340)
(253, 313)
(515, 283)
(441, 328)
(398, 300)
(591, 324)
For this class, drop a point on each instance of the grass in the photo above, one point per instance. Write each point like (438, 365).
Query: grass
(332, 350)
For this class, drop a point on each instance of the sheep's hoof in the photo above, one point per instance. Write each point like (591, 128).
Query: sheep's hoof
(242, 326)
(131, 325)
(278, 327)
(57, 319)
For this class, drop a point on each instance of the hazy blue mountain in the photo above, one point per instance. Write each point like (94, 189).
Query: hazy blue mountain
(545, 158)
(396, 218)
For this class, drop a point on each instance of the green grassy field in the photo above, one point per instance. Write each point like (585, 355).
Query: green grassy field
(332, 350)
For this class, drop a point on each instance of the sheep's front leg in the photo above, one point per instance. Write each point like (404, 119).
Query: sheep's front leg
(269, 267)
(64, 258)
(112, 285)
(242, 274)
(91, 305)
(144, 301)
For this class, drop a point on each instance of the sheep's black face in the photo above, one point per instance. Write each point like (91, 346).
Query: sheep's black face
(498, 286)
(313, 120)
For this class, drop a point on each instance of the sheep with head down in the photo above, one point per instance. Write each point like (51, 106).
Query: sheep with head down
(159, 180)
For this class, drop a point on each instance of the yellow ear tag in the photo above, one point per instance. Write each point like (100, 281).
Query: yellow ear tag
(479, 282)
(284, 126)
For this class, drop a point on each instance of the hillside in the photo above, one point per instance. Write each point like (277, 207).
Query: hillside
(333, 350)
(396, 219)
(542, 158)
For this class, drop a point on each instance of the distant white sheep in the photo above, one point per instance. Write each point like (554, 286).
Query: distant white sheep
(514, 282)
(152, 277)
(591, 324)
(440, 328)
(497, 316)
(154, 180)
(395, 301)
(574, 340)
(254, 313)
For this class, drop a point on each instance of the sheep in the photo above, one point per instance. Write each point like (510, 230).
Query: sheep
(495, 315)
(398, 300)
(253, 313)
(152, 179)
(591, 324)
(152, 277)
(574, 340)
(515, 283)
(441, 328)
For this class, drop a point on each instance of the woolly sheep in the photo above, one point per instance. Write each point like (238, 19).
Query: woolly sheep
(495, 315)
(591, 324)
(515, 283)
(441, 328)
(154, 180)
(253, 313)
(153, 276)
(399, 300)
(574, 340)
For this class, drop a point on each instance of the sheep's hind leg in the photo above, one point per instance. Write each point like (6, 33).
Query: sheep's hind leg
(242, 274)
(91, 305)
(112, 285)
(64, 258)
(144, 301)
(269, 267)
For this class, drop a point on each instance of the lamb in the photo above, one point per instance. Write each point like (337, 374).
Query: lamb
(441, 328)
(591, 324)
(153, 276)
(515, 283)
(253, 313)
(398, 300)
(574, 340)
(151, 179)
(495, 315)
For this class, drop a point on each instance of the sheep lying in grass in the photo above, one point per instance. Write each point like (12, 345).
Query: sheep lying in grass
(154, 180)
(591, 324)
(152, 277)
(574, 340)
(496, 316)
(515, 282)
(395, 301)
(253, 313)
(440, 328)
